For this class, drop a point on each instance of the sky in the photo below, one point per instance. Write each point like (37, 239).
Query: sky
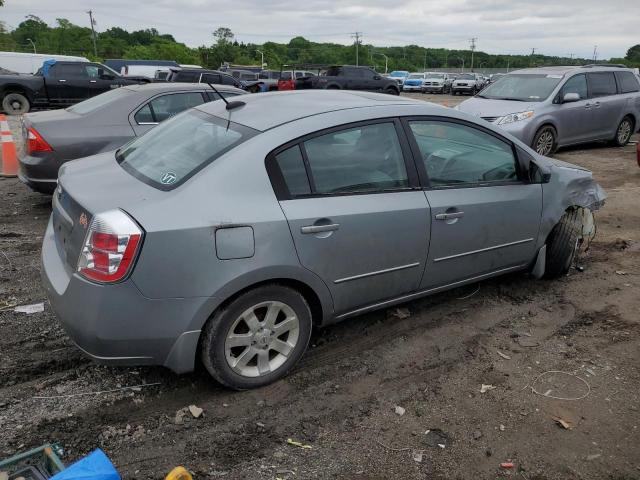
(552, 27)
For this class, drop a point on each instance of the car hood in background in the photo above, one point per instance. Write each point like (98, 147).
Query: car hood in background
(413, 81)
(485, 107)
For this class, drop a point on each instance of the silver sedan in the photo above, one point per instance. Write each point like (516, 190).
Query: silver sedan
(227, 232)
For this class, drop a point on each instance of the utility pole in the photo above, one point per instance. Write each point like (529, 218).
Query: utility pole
(425, 62)
(357, 36)
(595, 54)
(262, 58)
(533, 52)
(473, 48)
(93, 32)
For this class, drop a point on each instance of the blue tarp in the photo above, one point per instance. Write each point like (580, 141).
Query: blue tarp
(95, 466)
(46, 65)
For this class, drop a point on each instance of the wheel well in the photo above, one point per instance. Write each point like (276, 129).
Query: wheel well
(305, 290)
(14, 89)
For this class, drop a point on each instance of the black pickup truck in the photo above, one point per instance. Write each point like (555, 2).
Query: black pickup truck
(59, 84)
(349, 77)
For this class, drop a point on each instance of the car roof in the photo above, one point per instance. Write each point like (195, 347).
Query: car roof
(159, 87)
(264, 111)
(563, 70)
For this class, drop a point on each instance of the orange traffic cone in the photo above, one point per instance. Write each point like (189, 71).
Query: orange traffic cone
(9, 156)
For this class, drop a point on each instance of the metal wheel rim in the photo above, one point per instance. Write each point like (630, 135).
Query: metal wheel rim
(261, 339)
(545, 143)
(624, 132)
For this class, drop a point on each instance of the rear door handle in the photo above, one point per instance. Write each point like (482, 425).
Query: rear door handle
(62, 80)
(597, 104)
(92, 81)
(320, 228)
(449, 216)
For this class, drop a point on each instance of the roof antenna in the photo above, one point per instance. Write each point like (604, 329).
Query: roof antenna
(230, 105)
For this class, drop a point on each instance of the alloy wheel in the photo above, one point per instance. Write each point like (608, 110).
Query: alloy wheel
(544, 145)
(261, 339)
(624, 132)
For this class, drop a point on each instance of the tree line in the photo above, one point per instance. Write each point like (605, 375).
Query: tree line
(69, 39)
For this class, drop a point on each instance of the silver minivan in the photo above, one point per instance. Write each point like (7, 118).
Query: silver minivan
(553, 107)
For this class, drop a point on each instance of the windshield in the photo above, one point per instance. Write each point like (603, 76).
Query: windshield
(179, 147)
(398, 74)
(525, 87)
(436, 75)
(99, 101)
(466, 76)
(416, 75)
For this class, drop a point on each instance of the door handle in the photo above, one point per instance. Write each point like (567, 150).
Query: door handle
(449, 216)
(320, 228)
(587, 106)
(92, 81)
(597, 104)
(62, 80)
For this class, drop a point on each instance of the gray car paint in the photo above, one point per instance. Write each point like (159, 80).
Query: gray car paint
(575, 122)
(72, 135)
(156, 315)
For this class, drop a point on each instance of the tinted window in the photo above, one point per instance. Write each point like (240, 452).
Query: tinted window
(228, 80)
(602, 84)
(179, 147)
(627, 82)
(285, 76)
(292, 167)
(334, 72)
(361, 159)
(210, 78)
(186, 77)
(99, 101)
(576, 84)
(144, 115)
(62, 70)
(167, 106)
(355, 72)
(455, 154)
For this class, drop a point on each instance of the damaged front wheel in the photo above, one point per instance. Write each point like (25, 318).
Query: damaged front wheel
(562, 244)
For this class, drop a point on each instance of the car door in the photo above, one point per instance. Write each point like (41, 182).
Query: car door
(606, 105)
(68, 83)
(573, 118)
(484, 215)
(163, 107)
(100, 81)
(354, 79)
(356, 214)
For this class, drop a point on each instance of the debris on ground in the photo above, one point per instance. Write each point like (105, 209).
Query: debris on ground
(298, 444)
(399, 410)
(195, 411)
(30, 309)
(593, 457)
(400, 313)
(566, 424)
(485, 388)
(477, 435)
(502, 428)
(507, 465)
(435, 437)
(417, 456)
(179, 473)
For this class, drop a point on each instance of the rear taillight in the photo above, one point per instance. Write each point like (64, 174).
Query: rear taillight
(110, 247)
(35, 142)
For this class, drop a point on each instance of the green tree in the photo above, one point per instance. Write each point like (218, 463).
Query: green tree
(633, 54)
(223, 35)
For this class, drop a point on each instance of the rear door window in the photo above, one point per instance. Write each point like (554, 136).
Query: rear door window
(165, 106)
(602, 84)
(627, 82)
(210, 78)
(65, 71)
(362, 159)
(293, 171)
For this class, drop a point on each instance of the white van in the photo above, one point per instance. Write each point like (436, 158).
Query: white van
(29, 63)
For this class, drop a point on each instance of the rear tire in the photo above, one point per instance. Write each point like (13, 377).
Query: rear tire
(562, 245)
(545, 141)
(624, 132)
(227, 338)
(392, 91)
(15, 103)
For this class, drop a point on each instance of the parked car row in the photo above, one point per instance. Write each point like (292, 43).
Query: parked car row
(228, 231)
(428, 82)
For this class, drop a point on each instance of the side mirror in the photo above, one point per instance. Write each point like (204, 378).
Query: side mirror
(570, 97)
(377, 77)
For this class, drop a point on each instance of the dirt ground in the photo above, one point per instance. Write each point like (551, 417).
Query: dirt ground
(341, 400)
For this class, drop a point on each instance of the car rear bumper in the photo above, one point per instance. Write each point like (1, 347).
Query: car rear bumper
(115, 324)
(39, 173)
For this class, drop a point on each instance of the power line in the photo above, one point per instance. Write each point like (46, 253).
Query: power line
(473, 48)
(93, 33)
(357, 36)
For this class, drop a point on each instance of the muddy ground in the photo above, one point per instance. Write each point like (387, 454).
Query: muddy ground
(341, 400)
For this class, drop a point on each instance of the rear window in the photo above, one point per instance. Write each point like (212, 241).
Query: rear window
(177, 149)
(99, 101)
(627, 82)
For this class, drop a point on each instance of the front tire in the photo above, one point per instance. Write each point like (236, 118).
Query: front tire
(392, 91)
(562, 245)
(624, 132)
(257, 338)
(545, 141)
(15, 103)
